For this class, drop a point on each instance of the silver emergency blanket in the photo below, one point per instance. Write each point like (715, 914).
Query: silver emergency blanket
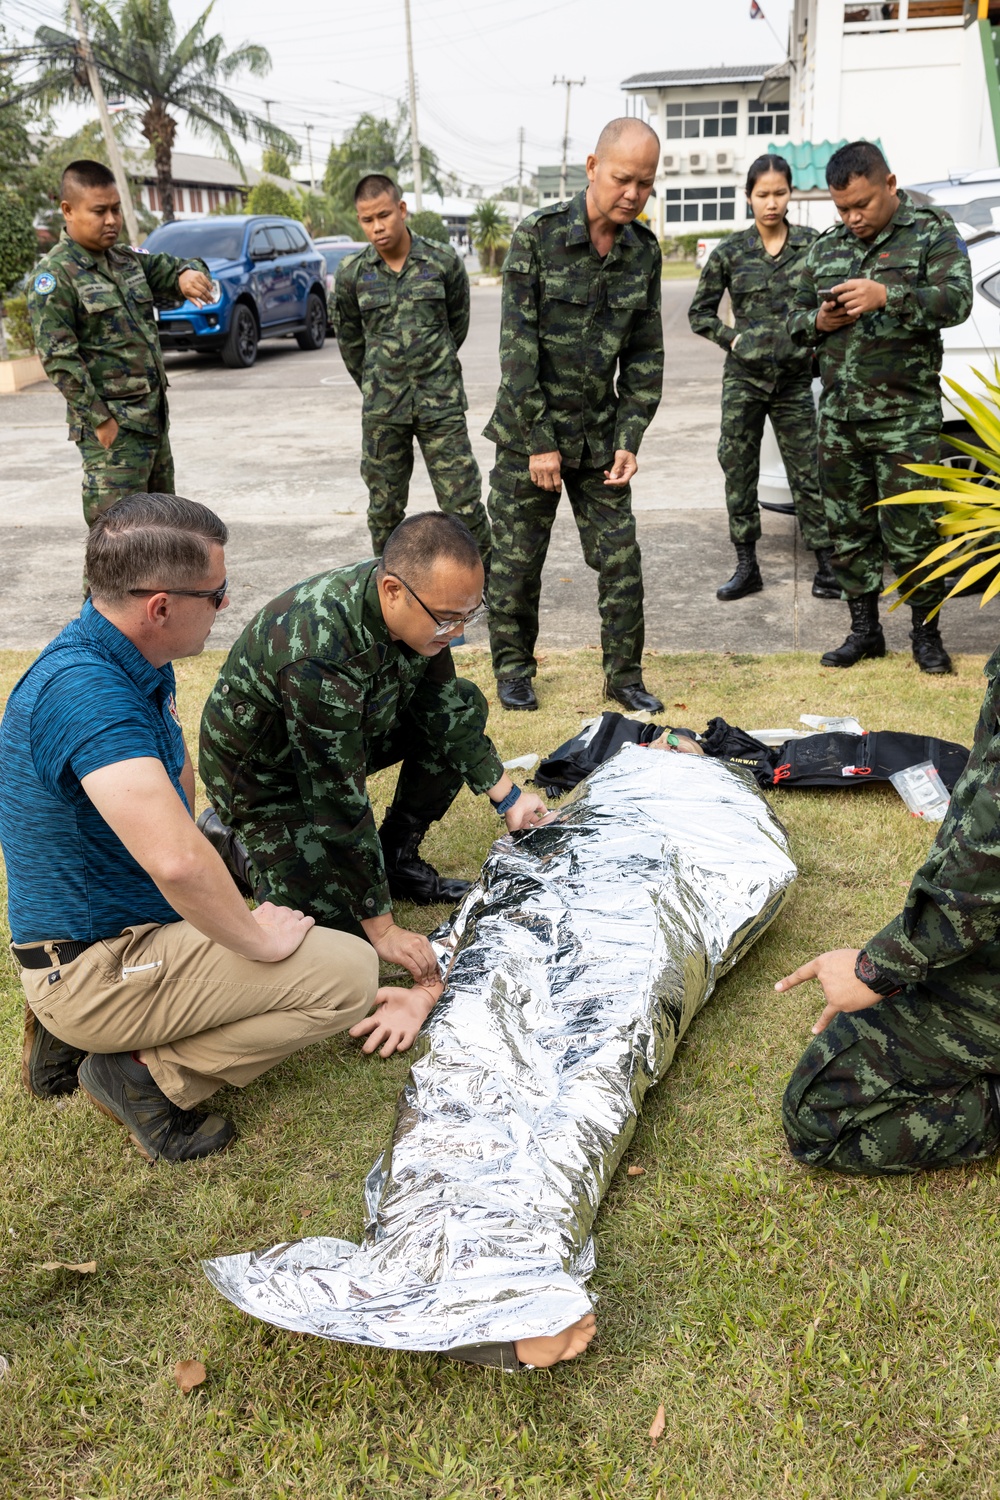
(574, 967)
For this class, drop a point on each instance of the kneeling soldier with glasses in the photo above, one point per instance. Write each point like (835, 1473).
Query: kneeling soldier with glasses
(345, 674)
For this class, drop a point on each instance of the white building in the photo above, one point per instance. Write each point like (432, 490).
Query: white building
(712, 123)
(918, 75)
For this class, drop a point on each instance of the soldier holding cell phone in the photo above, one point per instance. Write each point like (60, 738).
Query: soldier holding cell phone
(874, 295)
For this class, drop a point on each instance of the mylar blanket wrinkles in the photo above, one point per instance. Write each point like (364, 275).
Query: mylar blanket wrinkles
(574, 966)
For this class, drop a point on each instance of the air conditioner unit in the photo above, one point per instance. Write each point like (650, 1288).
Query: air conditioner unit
(724, 161)
(672, 161)
(698, 161)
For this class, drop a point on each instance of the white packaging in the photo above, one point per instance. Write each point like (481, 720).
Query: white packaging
(923, 791)
(521, 763)
(819, 724)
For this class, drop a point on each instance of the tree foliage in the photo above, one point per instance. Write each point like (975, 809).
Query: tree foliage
(276, 162)
(268, 198)
(377, 145)
(490, 232)
(430, 225)
(18, 240)
(141, 57)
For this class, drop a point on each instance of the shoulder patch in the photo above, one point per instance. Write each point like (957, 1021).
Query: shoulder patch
(45, 283)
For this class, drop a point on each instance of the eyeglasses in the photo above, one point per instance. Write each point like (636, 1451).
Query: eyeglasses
(446, 627)
(217, 596)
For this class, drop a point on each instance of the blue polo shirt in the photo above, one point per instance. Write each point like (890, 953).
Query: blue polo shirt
(89, 700)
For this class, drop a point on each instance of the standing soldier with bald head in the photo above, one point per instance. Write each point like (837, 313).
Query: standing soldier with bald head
(581, 355)
(91, 302)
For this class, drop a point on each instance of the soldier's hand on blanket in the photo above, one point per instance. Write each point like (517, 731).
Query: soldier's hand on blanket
(842, 989)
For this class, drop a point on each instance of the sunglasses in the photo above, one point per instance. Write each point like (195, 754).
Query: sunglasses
(217, 596)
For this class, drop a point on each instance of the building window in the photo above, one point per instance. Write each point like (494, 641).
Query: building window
(700, 205)
(768, 119)
(154, 199)
(194, 194)
(699, 119)
(213, 199)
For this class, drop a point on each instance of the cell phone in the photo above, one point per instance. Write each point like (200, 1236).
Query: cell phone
(828, 295)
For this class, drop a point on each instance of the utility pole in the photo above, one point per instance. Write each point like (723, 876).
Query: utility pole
(309, 146)
(418, 181)
(110, 139)
(520, 174)
(570, 84)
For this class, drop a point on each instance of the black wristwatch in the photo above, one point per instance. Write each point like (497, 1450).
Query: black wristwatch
(868, 972)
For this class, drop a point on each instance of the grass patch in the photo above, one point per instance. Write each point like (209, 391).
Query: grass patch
(810, 1336)
(679, 270)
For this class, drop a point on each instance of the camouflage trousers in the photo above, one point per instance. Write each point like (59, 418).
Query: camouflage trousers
(522, 517)
(136, 463)
(859, 464)
(387, 464)
(901, 1087)
(793, 417)
(293, 860)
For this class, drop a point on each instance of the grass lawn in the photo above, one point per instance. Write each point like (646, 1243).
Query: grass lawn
(680, 270)
(808, 1335)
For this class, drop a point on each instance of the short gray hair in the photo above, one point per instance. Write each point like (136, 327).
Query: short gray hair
(149, 541)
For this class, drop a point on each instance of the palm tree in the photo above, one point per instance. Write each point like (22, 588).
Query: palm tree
(377, 145)
(490, 231)
(139, 56)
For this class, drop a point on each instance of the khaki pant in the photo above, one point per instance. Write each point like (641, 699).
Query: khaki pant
(201, 1015)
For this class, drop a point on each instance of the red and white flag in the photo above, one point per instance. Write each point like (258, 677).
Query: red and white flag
(756, 14)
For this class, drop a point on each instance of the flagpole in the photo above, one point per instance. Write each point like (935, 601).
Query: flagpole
(770, 28)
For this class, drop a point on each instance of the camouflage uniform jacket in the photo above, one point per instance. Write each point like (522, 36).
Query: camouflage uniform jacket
(761, 288)
(94, 329)
(400, 331)
(311, 684)
(888, 362)
(947, 937)
(570, 321)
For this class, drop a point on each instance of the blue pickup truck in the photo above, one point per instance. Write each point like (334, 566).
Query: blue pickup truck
(268, 280)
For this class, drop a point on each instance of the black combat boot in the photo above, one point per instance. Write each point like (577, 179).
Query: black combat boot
(865, 639)
(746, 579)
(825, 585)
(410, 877)
(234, 853)
(928, 647)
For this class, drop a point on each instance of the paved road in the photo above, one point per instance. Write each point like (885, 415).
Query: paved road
(274, 450)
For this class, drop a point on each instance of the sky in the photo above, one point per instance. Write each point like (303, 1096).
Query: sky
(484, 68)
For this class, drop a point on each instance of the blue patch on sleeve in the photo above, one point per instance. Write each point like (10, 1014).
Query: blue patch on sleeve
(44, 283)
(961, 244)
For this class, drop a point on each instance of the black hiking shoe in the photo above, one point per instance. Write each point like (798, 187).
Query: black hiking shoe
(865, 638)
(411, 878)
(825, 585)
(48, 1066)
(161, 1130)
(928, 647)
(746, 579)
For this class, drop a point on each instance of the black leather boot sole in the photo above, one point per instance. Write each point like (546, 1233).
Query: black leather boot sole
(635, 696)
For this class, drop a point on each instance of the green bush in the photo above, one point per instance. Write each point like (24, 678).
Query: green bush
(18, 241)
(20, 336)
(268, 198)
(684, 246)
(429, 224)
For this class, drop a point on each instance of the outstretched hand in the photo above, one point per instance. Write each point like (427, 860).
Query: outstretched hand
(842, 989)
(397, 1018)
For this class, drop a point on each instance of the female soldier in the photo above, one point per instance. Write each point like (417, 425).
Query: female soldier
(765, 374)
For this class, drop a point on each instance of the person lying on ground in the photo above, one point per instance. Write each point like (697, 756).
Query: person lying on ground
(148, 980)
(903, 1073)
(343, 675)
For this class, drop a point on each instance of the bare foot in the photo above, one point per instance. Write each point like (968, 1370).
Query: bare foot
(566, 1345)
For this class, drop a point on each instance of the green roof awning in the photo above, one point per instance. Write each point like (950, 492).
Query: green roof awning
(808, 160)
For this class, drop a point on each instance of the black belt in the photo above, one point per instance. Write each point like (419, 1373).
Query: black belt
(37, 958)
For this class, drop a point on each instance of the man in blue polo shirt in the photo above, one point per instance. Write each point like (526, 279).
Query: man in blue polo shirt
(147, 977)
